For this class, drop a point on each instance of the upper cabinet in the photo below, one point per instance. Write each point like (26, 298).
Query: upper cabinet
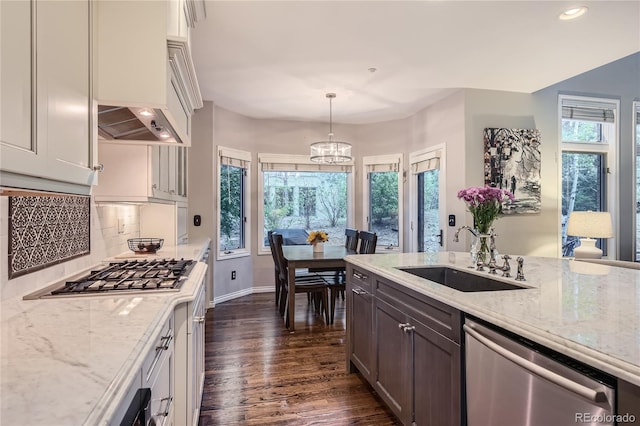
(46, 110)
(141, 173)
(146, 86)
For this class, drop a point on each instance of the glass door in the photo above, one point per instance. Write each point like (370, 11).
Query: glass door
(427, 202)
(430, 234)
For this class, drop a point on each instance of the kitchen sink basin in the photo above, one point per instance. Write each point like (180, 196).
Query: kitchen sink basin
(460, 280)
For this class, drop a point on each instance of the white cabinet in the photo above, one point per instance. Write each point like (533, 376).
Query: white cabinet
(143, 60)
(158, 375)
(46, 113)
(152, 176)
(141, 173)
(190, 321)
(169, 172)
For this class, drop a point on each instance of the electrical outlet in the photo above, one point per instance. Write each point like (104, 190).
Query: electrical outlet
(120, 225)
(233, 275)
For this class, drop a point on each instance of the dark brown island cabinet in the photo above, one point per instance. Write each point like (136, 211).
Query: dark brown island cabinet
(407, 346)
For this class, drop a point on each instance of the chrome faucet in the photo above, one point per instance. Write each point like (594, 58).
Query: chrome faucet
(520, 274)
(506, 268)
(462, 228)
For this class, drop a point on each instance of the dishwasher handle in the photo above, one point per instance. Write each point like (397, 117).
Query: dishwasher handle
(577, 388)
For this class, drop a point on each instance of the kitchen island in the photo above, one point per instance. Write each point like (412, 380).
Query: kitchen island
(73, 360)
(588, 312)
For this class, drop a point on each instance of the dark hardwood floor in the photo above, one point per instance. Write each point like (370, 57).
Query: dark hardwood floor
(257, 373)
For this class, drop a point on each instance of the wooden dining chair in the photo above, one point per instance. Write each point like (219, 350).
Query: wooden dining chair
(351, 242)
(308, 283)
(337, 286)
(276, 268)
(368, 242)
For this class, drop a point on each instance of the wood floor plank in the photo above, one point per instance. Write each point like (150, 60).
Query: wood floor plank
(257, 373)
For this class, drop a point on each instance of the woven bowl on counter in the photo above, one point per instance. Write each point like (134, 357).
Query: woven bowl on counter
(145, 245)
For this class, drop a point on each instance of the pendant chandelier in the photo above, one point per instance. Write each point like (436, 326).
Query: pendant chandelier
(330, 151)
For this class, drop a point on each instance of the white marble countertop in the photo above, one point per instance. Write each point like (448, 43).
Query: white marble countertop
(69, 361)
(587, 311)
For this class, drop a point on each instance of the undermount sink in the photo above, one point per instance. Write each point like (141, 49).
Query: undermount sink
(460, 280)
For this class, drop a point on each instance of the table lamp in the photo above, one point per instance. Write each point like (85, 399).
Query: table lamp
(589, 226)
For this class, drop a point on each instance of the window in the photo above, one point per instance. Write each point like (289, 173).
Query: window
(588, 143)
(233, 202)
(298, 196)
(382, 207)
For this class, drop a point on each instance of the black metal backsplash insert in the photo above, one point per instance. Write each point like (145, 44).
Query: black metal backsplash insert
(47, 229)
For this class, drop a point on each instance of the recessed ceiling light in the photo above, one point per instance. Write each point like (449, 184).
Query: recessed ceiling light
(372, 69)
(573, 13)
(146, 113)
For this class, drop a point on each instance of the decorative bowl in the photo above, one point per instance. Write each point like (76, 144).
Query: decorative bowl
(145, 245)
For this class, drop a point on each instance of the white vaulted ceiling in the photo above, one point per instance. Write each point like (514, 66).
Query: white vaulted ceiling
(278, 59)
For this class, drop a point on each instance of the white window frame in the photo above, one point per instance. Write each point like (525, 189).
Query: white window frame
(245, 157)
(610, 151)
(635, 121)
(435, 151)
(389, 162)
(302, 163)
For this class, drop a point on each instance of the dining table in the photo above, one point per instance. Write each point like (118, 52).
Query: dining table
(304, 257)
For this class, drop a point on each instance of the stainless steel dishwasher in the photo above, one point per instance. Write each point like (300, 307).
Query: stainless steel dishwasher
(511, 381)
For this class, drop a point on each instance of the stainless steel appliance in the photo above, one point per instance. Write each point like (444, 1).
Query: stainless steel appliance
(127, 276)
(513, 381)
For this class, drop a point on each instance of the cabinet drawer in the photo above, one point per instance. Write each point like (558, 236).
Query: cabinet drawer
(360, 277)
(163, 344)
(436, 315)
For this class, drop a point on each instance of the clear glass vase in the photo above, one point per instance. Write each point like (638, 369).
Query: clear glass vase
(480, 246)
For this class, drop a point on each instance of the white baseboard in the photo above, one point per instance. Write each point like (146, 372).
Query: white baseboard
(240, 293)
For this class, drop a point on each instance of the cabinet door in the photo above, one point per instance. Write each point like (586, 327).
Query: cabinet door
(62, 146)
(436, 379)
(197, 355)
(360, 308)
(181, 172)
(393, 366)
(15, 76)
(160, 165)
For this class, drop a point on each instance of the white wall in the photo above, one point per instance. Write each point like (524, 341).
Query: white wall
(443, 123)
(530, 234)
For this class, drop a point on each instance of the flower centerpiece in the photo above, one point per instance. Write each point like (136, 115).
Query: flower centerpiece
(484, 204)
(315, 238)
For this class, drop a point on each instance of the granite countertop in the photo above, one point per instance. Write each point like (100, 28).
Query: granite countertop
(70, 361)
(588, 311)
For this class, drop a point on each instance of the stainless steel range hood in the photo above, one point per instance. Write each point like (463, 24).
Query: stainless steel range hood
(135, 124)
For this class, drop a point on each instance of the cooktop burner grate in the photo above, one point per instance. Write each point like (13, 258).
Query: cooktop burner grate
(126, 276)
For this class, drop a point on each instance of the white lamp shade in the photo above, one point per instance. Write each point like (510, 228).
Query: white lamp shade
(590, 224)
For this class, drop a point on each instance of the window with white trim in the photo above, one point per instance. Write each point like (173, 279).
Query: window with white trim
(636, 133)
(233, 202)
(297, 196)
(589, 140)
(382, 192)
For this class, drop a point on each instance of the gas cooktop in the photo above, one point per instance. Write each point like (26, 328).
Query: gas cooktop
(128, 276)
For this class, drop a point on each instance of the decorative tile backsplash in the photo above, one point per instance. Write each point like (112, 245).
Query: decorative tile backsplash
(45, 230)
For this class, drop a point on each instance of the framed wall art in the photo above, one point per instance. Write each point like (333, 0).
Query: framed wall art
(512, 162)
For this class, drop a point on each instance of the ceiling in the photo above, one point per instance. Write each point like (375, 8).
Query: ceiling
(278, 59)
